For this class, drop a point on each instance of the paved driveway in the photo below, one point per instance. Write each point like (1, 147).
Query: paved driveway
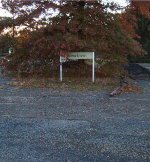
(40, 125)
(145, 65)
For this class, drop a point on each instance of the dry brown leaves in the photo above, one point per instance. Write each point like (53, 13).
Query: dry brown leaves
(131, 88)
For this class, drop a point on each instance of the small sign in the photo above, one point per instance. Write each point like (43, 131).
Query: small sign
(78, 56)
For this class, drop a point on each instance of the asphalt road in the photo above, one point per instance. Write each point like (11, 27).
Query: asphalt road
(40, 125)
(145, 65)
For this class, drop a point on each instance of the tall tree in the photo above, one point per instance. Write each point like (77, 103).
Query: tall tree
(79, 25)
(137, 20)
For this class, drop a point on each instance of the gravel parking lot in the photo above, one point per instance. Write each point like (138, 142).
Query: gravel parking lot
(41, 125)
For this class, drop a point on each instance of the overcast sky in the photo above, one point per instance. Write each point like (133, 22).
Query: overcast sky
(120, 2)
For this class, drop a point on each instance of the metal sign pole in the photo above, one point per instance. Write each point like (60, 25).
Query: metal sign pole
(93, 70)
(60, 69)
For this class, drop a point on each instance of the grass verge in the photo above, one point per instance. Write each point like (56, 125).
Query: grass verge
(82, 85)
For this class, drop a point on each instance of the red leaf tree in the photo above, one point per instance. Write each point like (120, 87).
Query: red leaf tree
(79, 25)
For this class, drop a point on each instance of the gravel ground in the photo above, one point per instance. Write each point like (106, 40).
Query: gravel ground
(39, 125)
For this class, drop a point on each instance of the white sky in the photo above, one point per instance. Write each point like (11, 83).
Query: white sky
(120, 2)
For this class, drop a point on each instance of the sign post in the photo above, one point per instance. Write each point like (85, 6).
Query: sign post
(79, 56)
(93, 68)
(60, 69)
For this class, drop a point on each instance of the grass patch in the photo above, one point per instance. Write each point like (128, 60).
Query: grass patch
(82, 85)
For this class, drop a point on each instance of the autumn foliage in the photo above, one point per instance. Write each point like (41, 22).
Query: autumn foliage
(44, 30)
(142, 7)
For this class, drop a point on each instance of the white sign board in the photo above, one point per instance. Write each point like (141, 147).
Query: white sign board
(78, 56)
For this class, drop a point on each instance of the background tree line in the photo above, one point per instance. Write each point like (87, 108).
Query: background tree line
(41, 31)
